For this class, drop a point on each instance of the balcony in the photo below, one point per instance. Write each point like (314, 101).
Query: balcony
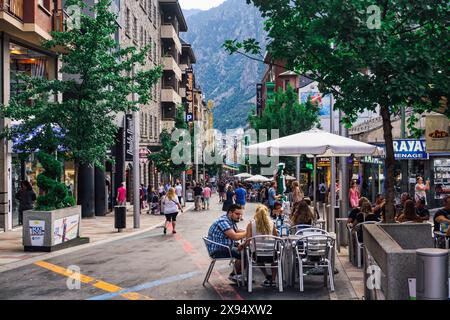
(169, 32)
(61, 21)
(170, 95)
(13, 7)
(171, 65)
(182, 92)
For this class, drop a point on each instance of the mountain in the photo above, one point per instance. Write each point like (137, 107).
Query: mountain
(228, 80)
(189, 12)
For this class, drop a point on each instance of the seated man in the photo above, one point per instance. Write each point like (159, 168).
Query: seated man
(421, 211)
(224, 231)
(442, 215)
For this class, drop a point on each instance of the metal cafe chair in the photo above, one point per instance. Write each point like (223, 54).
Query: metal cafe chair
(232, 261)
(294, 229)
(359, 244)
(264, 250)
(315, 250)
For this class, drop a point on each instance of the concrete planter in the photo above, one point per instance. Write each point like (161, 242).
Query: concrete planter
(392, 249)
(52, 230)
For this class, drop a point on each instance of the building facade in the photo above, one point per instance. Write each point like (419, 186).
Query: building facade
(23, 26)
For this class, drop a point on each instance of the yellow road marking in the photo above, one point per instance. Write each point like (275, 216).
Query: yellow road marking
(105, 286)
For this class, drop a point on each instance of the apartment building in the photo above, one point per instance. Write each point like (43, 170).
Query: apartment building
(23, 26)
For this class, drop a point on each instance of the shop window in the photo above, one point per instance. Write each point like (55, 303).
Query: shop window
(24, 61)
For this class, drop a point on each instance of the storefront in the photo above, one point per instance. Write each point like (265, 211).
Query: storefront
(24, 60)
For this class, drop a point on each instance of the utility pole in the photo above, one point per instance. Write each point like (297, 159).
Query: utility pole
(333, 174)
(136, 168)
(404, 163)
(344, 178)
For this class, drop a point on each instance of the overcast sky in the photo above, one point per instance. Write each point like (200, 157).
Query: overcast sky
(200, 4)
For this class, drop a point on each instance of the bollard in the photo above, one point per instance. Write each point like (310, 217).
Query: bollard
(432, 274)
(120, 217)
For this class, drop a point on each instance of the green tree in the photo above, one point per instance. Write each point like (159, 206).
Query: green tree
(163, 159)
(376, 58)
(288, 116)
(100, 78)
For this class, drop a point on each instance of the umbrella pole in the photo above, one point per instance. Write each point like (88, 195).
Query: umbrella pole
(315, 183)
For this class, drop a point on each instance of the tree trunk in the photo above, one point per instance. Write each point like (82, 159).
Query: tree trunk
(390, 165)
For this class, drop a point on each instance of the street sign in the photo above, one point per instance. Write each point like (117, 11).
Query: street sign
(189, 117)
(129, 137)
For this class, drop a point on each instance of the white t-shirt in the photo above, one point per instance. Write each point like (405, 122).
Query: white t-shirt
(179, 190)
(170, 206)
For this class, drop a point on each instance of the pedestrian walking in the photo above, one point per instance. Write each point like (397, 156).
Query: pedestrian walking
(354, 195)
(241, 196)
(179, 192)
(26, 197)
(198, 194)
(297, 193)
(171, 206)
(121, 198)
(229, 199)
(207, 196)
(420, 190)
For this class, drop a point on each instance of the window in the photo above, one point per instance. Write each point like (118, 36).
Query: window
(154, 51)
(151, 126)
(150, 9)
(142, 36)
(135, 29)
(150, 52)
(128, 22)
(156, 126)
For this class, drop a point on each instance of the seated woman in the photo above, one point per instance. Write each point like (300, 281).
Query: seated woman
(277, 211)
(355, 211)
(365, 215)
(409, 213)
(316, 212)
(302, 214)
(262, 225)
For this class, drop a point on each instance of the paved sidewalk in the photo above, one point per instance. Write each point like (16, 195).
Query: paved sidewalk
(98, 229)
(355, 275)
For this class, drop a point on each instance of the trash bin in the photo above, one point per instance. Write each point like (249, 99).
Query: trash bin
(120, 217)
(341, 233)
(432, 274)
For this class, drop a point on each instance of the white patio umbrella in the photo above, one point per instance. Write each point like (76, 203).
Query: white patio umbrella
(315, 142)
(290, 178)
(258, 178)
(243, 175)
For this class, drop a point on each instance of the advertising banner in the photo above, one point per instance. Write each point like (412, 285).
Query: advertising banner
(37, 232)
(324, 102)
(66, 229)
(437, 134)
(410, 149)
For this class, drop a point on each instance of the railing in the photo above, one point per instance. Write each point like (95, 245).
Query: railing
(13, 7)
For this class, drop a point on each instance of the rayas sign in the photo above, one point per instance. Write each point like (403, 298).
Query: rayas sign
(410, 149)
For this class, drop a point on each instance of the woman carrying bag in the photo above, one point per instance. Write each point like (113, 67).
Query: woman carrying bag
(171, 205)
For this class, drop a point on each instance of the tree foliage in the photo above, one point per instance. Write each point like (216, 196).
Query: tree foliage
(163, 159)
(55, 194)
(100, 77)
(371, 55)
(288, 116)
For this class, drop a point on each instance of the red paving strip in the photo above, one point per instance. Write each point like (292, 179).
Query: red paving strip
(225, 291)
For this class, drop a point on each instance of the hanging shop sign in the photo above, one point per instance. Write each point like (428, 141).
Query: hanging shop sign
(371, 160)
(437, 134)
(129, 137)
(259, 98)
(410, 149)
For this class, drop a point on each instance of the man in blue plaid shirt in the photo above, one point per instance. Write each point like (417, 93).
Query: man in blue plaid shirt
(224, 231)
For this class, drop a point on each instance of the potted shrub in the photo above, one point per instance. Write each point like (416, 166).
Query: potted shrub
(55, 222)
